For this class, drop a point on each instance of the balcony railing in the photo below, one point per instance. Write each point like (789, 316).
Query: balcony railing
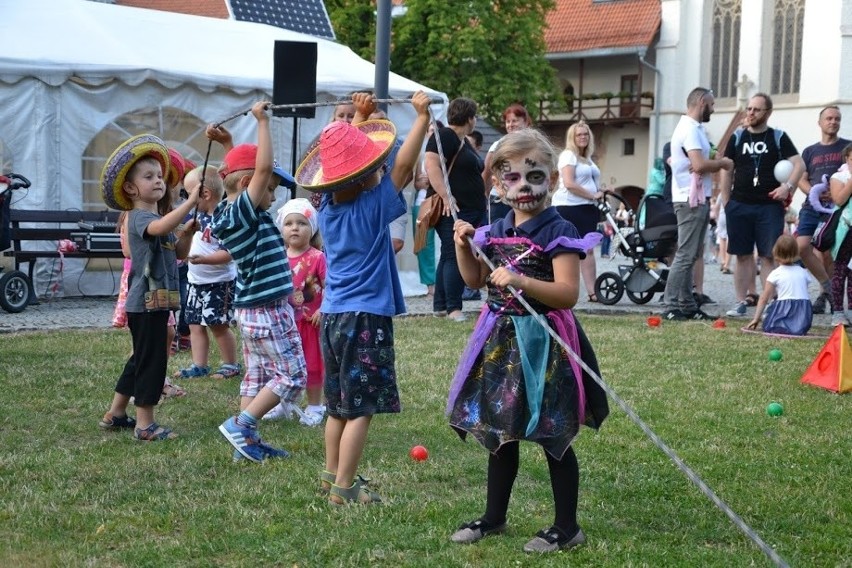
(604, 107)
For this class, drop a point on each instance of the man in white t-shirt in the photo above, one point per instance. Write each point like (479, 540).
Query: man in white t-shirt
(691, 189)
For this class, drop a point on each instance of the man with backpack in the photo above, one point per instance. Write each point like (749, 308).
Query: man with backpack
(822, 158)
(754, 201)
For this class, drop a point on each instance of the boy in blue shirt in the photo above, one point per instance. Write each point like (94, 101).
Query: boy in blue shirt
(275, 363)
(362, 291)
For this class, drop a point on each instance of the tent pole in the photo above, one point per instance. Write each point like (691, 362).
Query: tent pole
(294, 153)
(383, 27)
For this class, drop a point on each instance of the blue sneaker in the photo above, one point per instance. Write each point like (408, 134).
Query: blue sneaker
(245, 440)
(268, 451)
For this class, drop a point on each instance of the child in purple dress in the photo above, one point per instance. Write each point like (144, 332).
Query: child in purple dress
(514, 381)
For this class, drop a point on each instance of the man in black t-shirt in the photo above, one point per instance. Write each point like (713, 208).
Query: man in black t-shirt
(754, 203)
(822, 158)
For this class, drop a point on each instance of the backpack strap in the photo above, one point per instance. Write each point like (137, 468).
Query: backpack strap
(777, 133)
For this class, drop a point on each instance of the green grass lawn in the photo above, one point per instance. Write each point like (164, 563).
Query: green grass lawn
(72, 495)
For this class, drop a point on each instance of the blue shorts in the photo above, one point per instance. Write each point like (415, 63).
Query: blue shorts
(360, 375)
(809, 218)
(753, 225)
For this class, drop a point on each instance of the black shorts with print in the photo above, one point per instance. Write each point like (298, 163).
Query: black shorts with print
(360, 378)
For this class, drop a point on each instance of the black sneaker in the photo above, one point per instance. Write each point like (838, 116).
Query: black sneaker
(822, 304)
(703, 299)
(698, 315)
(675, 315)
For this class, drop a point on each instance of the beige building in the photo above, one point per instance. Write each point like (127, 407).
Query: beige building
(648, 55)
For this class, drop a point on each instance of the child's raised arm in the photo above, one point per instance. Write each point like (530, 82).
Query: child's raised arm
(259, 183)
(406, 157)
(221, 135)
(365, 105)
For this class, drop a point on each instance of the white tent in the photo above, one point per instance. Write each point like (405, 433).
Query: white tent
(70, 68)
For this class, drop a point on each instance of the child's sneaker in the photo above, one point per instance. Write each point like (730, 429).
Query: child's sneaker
(313, 415)
(282, 410)
(738, 311)
(839, 318)
(269, 452)
(245, 440)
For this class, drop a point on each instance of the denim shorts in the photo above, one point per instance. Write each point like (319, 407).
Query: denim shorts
(809, 218)
(753, 225)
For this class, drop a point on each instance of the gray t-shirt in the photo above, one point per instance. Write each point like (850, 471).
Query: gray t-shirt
(158, 253)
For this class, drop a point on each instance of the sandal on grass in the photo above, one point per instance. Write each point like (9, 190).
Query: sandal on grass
(192, 372)
(110, 422)
(751, 300)
(171, 390)
(356, 494)
(153, 433)
(227, 371)
(327, 480)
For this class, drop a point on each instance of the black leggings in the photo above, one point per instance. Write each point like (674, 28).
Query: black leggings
(564, 481)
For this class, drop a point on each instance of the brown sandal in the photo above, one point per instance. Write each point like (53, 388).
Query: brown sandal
(171, 390)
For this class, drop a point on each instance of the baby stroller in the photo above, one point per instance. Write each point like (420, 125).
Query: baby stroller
(652, 238)
(15, 286)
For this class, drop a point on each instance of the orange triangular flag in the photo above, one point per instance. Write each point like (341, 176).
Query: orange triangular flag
(832, 367)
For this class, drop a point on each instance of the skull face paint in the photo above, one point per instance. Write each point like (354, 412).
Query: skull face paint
(525, 183)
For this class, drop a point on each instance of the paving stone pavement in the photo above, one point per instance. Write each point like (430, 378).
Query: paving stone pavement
(96, 312)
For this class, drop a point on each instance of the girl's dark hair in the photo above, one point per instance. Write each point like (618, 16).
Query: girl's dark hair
(460, 111)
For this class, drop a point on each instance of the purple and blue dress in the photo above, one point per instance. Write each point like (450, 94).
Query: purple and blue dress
(514, 381)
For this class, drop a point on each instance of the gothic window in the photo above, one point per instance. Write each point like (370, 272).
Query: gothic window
(727, 15)
(179, 130)
(787, 26)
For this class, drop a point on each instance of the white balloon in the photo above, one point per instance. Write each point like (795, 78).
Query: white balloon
(783, 170)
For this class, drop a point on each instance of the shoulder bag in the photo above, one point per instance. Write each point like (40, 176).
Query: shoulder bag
(431, 211)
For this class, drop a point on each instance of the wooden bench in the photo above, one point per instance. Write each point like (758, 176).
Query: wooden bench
(63, 224)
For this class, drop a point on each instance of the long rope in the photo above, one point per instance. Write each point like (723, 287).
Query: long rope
(690, 474)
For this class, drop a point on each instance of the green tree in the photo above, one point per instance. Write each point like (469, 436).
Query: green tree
(491, 51)
(354, 25)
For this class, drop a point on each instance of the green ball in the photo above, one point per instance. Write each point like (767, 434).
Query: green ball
(775, 355)
(774, 409)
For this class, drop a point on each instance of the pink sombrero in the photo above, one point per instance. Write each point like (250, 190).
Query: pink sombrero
(177, 168)
(345, 154)
(122, 159)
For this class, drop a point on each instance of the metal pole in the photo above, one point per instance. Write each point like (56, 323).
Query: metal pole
(383, 28)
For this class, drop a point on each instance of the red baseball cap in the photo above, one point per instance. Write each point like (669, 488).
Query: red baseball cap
(244, 157)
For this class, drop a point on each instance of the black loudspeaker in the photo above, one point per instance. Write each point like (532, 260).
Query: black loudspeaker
(295, 79)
